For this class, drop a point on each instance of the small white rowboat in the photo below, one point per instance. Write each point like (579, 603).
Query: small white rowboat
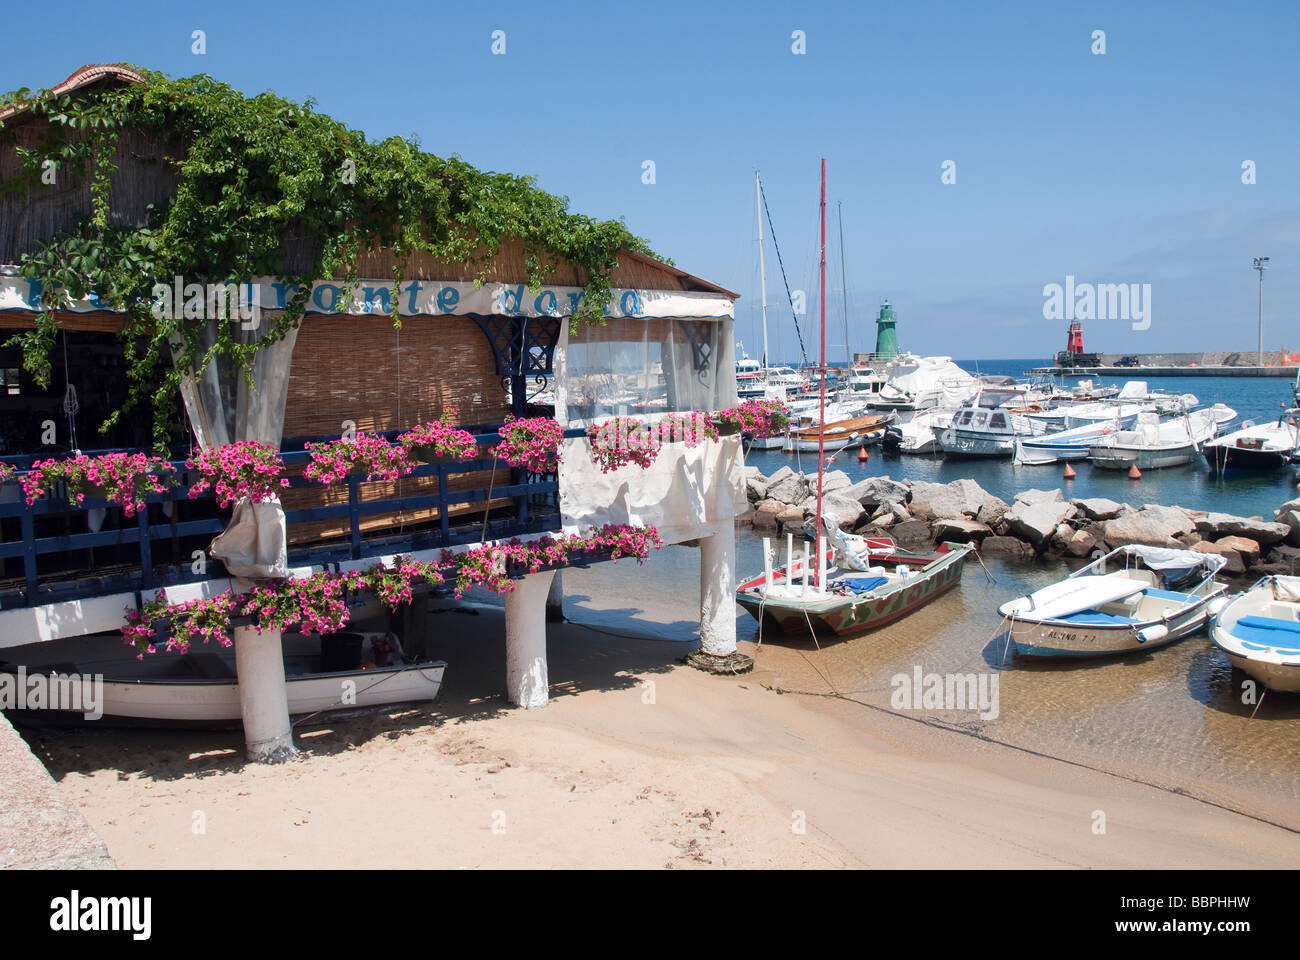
(1260, 632)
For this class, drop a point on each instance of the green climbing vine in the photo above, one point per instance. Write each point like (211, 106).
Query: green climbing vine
(257, 176)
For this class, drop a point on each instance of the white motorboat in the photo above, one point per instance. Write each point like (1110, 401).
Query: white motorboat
(1060, 447)
(1259, 630)
(1262, 446)
(201, 685)
(985, 426)
(1151, 596)
(918, 435)
(1155, 444)
(919, 383)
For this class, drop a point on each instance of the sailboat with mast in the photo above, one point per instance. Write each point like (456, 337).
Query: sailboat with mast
(771, 389)
(859, 591)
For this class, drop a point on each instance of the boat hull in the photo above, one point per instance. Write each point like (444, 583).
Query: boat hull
(959, 444)
(1274, 664)
(1122, 458)
(1071, 640)
(843, 618)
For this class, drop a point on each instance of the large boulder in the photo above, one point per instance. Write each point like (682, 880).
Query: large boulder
(992, 510)
(1039, 496)
(791, 518)
(973, 497)
(910, 531)
(1215, 526)
(1006, 546)
(791, 489)
(1289, 516)
(1248, 549)
(1235, 563)
(875, 491)
(1081, 544)
(766, 513)
(961, 531)
(1037, 522)
(842, 511)
(931, 501)
(835, 480)
(756, 488)
(1098, 508)
(1153, 525)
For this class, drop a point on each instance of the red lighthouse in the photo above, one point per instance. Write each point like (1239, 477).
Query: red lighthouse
(1074, 343)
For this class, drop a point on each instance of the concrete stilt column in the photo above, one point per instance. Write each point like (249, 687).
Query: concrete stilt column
(526, 678)
(717, 651)
(555, 599)
(263, 700)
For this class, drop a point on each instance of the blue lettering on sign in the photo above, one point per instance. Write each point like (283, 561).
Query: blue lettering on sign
(279, 289)
(34, 297)
(512, 301)
(574, 300)
(631, 304)
(448, 297)
(542, 306)
(371, 294)
(318, 298)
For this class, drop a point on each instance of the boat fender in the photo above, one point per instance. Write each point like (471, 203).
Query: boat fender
(1147, 634)
(1216, 605)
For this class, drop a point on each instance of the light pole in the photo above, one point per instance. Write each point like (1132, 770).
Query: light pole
(1261, 264)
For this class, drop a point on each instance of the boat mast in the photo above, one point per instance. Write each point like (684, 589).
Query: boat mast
(762, 274)
(844, 289)
(821, 430)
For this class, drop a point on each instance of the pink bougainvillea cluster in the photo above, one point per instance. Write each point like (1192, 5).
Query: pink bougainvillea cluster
(125, 479)
(236, 471)
(366, 452)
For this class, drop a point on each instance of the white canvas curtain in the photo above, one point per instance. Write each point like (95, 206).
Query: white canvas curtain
(646, 368)
(223, 407)
(643, 367)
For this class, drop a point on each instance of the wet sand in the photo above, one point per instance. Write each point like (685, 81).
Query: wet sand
(638, 762)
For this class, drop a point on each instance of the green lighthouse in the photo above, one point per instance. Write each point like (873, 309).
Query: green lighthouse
(886, 338)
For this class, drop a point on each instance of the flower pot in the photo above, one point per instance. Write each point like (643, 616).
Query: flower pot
(728, 429)
(426, 453)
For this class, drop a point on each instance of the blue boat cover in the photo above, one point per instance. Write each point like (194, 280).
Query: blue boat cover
(1171, 595)
(1269, 632)
(1093, 618)
(863, 584)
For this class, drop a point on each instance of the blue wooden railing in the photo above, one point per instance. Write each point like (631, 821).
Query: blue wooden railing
(534, 498)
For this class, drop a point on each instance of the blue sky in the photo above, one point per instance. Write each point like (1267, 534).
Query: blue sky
(1115, 168)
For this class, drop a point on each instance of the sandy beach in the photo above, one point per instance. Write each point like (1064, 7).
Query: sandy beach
(638, 762)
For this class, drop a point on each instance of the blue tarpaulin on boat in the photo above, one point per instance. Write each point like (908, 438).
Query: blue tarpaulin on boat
(863, 584)
(1171, 595)
(1270, 632)
(1092, 618)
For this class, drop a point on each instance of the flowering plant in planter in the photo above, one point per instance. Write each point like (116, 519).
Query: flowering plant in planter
(532, 444)
(238, 470)
(619, 539)
(8, 473)
(762, 418)
(622, 440)
(439, 439)
(204, 619)
(331, 462)
(125, 479)
(392, 585)
(692, 428)
(484, 566)
(315, 604)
